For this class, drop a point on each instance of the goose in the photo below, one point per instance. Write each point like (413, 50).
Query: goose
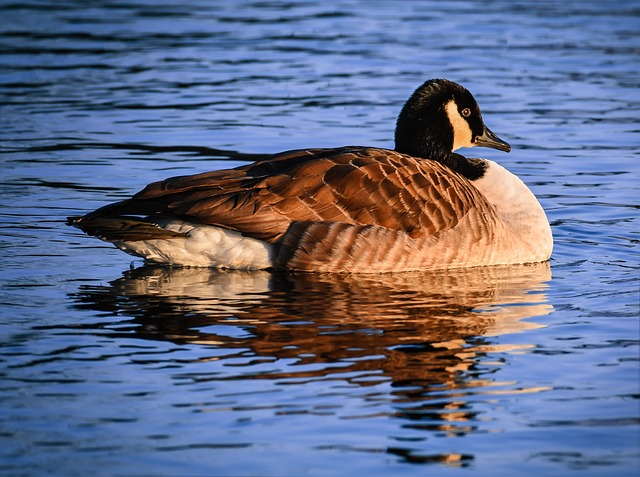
(352, 209)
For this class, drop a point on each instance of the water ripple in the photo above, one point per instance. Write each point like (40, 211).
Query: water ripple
(176, 372)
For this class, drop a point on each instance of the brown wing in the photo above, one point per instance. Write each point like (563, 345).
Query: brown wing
(353, 185)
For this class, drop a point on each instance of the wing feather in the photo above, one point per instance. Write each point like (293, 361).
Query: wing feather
(353, 185)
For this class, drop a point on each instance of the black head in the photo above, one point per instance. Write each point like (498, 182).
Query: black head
(440, 117)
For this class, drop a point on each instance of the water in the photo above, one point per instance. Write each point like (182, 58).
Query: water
(154, 371)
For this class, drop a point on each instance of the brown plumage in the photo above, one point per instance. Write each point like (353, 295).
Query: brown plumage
(354, 204)
(350, 209)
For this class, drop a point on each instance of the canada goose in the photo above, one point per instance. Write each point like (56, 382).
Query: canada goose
(350, 209)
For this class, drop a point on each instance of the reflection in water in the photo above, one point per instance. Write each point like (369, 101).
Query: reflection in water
(427, 335)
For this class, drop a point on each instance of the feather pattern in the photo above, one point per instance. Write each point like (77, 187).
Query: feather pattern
(350, 209)
(347, 209)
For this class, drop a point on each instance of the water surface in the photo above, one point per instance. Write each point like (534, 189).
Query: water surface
(111, 367)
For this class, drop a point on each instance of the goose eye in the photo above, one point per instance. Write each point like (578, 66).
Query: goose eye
(466, 112)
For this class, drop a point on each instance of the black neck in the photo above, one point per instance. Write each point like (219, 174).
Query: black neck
(433, 142)
(472, 169)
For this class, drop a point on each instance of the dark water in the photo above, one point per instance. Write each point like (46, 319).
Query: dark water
(154, 371)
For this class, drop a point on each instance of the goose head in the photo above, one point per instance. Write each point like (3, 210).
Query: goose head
(440, 117)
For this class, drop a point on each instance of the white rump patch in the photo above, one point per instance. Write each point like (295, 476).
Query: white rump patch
(202, 246)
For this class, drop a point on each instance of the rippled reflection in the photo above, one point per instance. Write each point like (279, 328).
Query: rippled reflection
(427, 335)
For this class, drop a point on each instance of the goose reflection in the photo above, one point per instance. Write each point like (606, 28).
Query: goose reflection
(427, 335)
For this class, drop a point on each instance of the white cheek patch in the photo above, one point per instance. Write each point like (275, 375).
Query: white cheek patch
(461, 131)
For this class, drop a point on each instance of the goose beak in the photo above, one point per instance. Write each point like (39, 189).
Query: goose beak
(488, 139)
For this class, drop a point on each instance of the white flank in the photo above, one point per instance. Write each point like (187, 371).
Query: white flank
(522, 215)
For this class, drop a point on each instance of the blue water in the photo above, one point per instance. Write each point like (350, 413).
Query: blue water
(110, 367)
